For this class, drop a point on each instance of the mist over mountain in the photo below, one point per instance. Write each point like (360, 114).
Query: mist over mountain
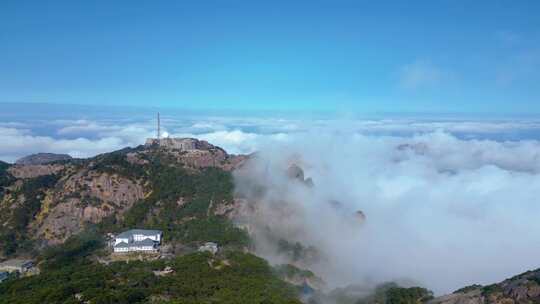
(339, 206)
(433, 204)
(85, 131)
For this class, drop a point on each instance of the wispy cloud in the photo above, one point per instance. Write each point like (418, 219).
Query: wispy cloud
(85, 138)
(17, 143)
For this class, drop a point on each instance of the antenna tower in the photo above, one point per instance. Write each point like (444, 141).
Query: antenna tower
(158, 128)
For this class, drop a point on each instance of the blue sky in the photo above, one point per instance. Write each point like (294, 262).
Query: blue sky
(339, 56)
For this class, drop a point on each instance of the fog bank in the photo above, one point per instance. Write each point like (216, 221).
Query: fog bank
(440, 211)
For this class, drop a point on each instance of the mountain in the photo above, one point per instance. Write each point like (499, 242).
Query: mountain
(42, 158)
(175, 186)
(521, 289)
(58, 214)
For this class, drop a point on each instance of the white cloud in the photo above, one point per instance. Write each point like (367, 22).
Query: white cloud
(442, 211)
(17, 143)
(235, 134)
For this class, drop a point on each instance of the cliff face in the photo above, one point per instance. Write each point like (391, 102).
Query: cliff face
(87, 196)
(31, 171)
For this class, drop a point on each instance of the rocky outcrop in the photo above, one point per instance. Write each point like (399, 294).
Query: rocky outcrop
(181, 144)
(31, 171)
(521, 289)
(86, 197)
(472, 297)
(42, 159)
(109, 188)
(193, 153)
(294, 172)
(300, 277)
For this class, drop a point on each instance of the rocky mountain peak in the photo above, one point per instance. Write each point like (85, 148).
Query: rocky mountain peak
(182, 144)
(192, 152)
(42, 159)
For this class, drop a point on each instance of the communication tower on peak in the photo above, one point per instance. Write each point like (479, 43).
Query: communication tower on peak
(158, 128)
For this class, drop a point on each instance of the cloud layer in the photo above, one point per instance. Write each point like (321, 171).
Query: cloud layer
(441, 211)
(237, 134)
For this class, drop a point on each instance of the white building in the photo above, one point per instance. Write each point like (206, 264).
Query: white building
(21, 266)
(4, 275)
(138, 240)
(209, 247)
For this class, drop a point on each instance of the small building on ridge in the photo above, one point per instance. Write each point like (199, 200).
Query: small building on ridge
(138, 240)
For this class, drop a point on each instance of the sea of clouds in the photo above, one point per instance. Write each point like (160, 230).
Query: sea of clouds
(83, 133)
(442, 212)
(449, 202)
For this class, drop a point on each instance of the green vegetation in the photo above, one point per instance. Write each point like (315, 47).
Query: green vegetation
(535, 279)
(291, 271)
(215, 229)
(468, 288)
(491, 289)
(412, 295)
(197, 278)
(72, 250)
(3, 166)
(116, 163)
(295, 251)
(5, 177)
(14, 236)
(391, 293)
(183, 203)
(180, 204)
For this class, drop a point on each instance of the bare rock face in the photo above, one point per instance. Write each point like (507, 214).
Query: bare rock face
(203, 158)
(195, 153)
(31, 171)
(42, 158)
(182, 144)
(134, 159)
(106, 187)
(234, 162)
(86, 197)
(295, 172)
(472, 297)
